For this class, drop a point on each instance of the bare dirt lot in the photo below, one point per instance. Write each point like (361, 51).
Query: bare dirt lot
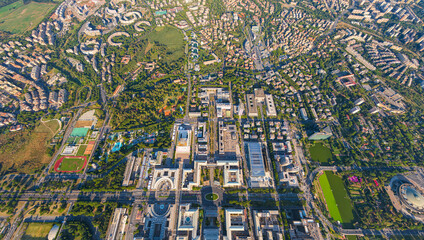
(83, 124)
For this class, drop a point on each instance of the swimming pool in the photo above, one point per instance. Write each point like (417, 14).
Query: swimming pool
(117, 147)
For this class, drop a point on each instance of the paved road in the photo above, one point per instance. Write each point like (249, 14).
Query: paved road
(131, 226)
(138, 196)
(186, 117)
(15, 223)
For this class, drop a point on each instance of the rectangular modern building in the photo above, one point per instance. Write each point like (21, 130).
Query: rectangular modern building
(252, 108)
(183, 141)
(267, 225)
(235, 224)
(304, 114)
(321, 135)
(355, 110)
(117, 226)
(270, 106)
(258, 176)
(188, 222)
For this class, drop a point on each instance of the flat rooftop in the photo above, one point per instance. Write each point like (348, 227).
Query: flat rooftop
(257, 168)
(227, 139)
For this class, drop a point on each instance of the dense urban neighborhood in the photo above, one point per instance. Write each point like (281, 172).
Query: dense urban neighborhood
(211, 119)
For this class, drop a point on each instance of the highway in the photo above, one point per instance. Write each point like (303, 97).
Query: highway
(139, 196)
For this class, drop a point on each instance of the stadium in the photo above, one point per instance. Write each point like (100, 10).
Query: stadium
(407, 194)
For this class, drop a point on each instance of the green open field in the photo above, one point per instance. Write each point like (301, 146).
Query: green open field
(172, 38)
(336, 198)
(81, 150)
(71, 164)
(37, 231)
(25, 151)
(19, 18)
(320, 153)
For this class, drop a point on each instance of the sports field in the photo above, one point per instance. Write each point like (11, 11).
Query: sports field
(70, 164)
(320, 153)
(81, 150)
(19, 17)
(172, 38)
(37, 231)
(79, 132)
(336, 198)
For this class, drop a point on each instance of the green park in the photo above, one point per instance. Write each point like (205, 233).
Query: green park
(169, 37)
(320, 153)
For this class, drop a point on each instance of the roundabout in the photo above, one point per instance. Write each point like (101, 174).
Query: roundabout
(211, 197)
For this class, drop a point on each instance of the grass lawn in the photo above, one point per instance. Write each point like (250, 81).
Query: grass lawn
(172, 38)
(71, 164)
(320, 153)
(25, 151)
(37, 231)
(53, 125)
(211, 196)
(351, 237)
(19, 18)
(338, 202)
(81, 150)
(50, 125)
(99, 123)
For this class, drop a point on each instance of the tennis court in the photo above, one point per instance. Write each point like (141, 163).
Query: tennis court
(79, 132)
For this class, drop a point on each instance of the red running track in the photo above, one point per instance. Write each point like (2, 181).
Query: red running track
(58, 162)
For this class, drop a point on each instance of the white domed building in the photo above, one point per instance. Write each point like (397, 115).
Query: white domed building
(412, 197)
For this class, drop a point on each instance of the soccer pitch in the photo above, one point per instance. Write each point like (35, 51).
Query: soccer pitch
(70, 164)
